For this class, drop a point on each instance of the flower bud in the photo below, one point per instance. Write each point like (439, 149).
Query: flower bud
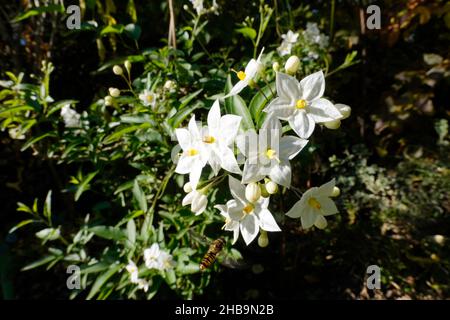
(439, 239)
(292, 65)
(271, 187)
(128, 65)
(336, 192)
(263, 239)
(114, 92)
(117, 70)
(276, 66)
(344, 110)
(252, 192)
(109, 101)
(264, 192)
(186, 7)
(333, 125)
(187, 187)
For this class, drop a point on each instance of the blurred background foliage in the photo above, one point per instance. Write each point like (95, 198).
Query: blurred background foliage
(391, 158)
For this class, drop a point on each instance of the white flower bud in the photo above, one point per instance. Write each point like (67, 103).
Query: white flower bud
(114, 92)
(117, 70)
(186, 7)
(344, 109)
(252, 192)
(292, 65)
(336, 192)
(263, 239)
(187, 187)
(271, 187)
(109, 101)
(321, 222)
(276, 66)
(333, 125)
(128, 65)
(439, 239)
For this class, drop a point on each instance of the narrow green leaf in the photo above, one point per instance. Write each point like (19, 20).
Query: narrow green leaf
(36, 11)
(108, 232)
(260, 100)
(182, 114)
(30, 142)
(139, 195)
(21, 224)
(236, 105)
(84, 185)
(39, 263)
(48, 206)
(101, 280)
(124, 130)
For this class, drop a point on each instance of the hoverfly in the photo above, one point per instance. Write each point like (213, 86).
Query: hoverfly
(216, 252)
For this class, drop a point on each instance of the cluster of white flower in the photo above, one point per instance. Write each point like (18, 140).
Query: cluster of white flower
(200, 9)
(313, 35)
(71, 117)
(289, 40)
(154, 258)
(266, 155)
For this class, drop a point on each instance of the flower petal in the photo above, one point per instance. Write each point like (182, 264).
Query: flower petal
(228, 160)
(281, 174)
(290, 146)
(249, 228)
(313, 86)
(194, 175)
(267, 221)
(214, 161)
(237, 88)
(296, 210)
(193, 129)
(327, 188)
(237, 189)
(252, 172)
(327, 206)
(308, 217)
(280, 108)
(288, 87)
(322, 110)
(214, 116)
(229, 127)
(185, 164)
(321, 222)
(184, 138)
(188, 198)
(302, 124)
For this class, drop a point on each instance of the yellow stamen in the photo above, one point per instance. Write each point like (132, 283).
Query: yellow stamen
(241, 75)
(227, 221)
(149, 98)
(314, 203)
(192, 152)
(209, 139)
(301, 104)
(248, 208)
(271, 154)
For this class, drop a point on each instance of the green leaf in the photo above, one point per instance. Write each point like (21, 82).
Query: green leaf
(108, 232)
(36, 11)
(185, 100)
(48, 206)
(58, 106)
(247, 32)
(260, 100)
(30, 142)
(39, 263)
(139, 195)
(95, 268)
(117, 28)
(182, 114)
(131, 233)
(8, 112)
(84, 185)
(101, 280)
(236, 105)
(122, 131)
(21, 224)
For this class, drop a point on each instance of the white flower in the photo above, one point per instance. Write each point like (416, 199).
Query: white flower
(272, 156)
(143, 284)
(253, 68)
(134, 272)
(252, 192)
(151, 257)
(250, 216)
(290, 37)
(170, 85)
(194, 156)
(71, 117)
(197, 200)
(230, 225)
(114, 92)
(155, 258)
(16, 133)
(314, 205)
(198, 6)
(301, 103)
(312, 34)
(218, 136)
(148, 98)
(284, 49)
